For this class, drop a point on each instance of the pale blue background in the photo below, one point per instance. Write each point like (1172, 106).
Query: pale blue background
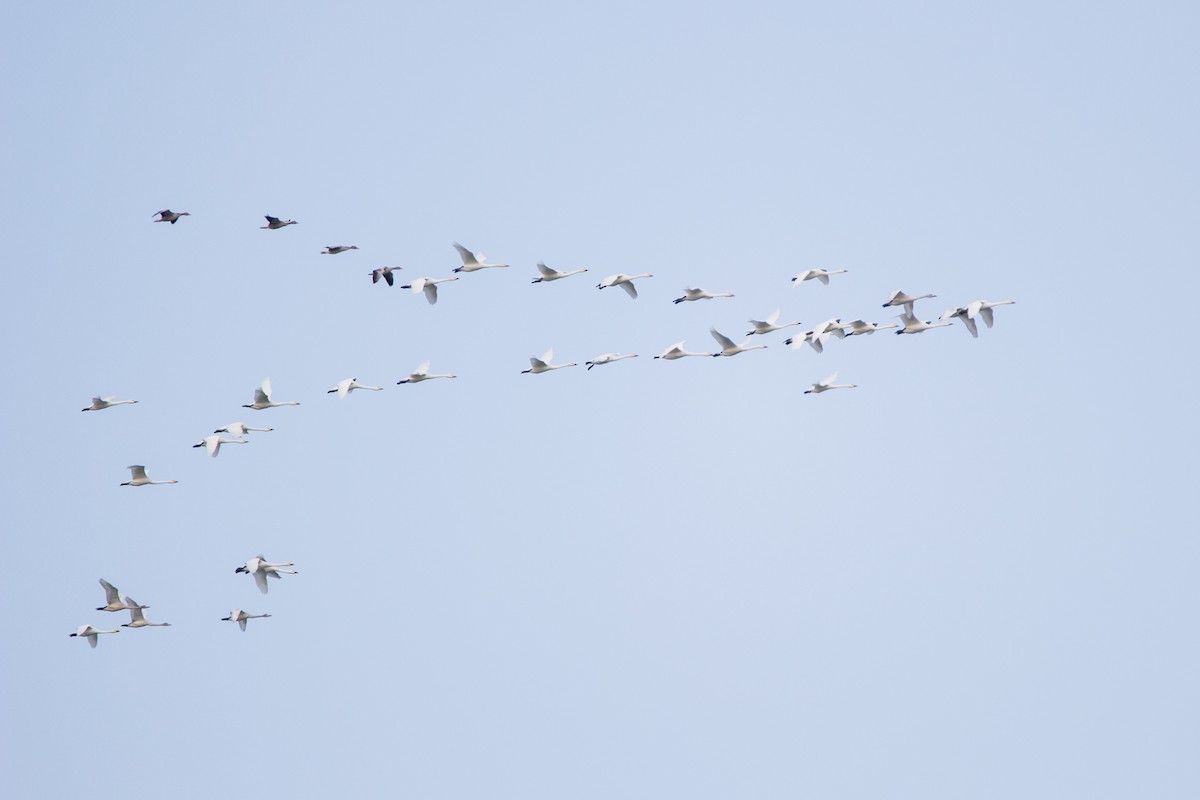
(973, 576)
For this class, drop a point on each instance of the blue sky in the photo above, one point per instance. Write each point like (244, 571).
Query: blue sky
(970, 576)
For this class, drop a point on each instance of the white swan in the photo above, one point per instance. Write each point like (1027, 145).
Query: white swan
(138, 477)
(676, 351)
(167, 215)
(914, 325)
(699, 294)
(553, 274)
(137, 619)
(860, 327)
(213, 443)
(728, 348)
(274, 223)
(333, 250)
(421, 373)
(385, 273)
(979, 308)
(827, 384)
(768, 325)
(101, 403)
(348, 385)
(820, 274)
(817, 337)
(112, 598)
(607, 358)
(539, 365)
(967, 315)
(90, 633)
(261, 570)
(239, 429)
(624, 281)
(262, 398)
(899, 298)
(429, 286)
(240, 617)
(472, 262)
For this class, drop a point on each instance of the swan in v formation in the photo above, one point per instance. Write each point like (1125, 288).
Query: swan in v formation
(690, 295)
(260, 569)
(728, 348)
(764, 326)
(980, 308)
(262, 398)
(676, 351)
(548, 274)
(213, 443)
(539, 365)
(820, 274)
(429, 286)
(607, 358)
(90, 633)
(101, 403)
(473, 262)
(348, 385)
(239, 429)
(137, 619)
(240, 617)
(138, 477)
(421, 373)
(624, 281)
(828, 384)
(113, 600)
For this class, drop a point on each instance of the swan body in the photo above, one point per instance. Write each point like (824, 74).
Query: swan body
(340, 248)
(240, 617)
(472, 262)
(138, 477)
(239, 429)
(167, 215)
(137, 619)
(608, 358)
(113, 599)
(348, 385)
(213, 443)
(421, 373)
(914, 325)
(548, 274)
(820, 274)
(386, 274)
(861, 327)
(261, 570)
(262, 398)
(90, 633)
(827, 384)
(699, 294)
(539, 365)
(762, 326)
(985, 309)
(275, 223)
(429, 286)
(899, 298)
(728, 348)
(676, 351)
(101, 403)
(624, 281)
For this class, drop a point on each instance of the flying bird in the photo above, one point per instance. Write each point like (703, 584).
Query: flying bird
(275, 223)
(333, 250)
(262, 398)
(607, 358)
(139, 478)
(429, 286)
(213, 443)
(624, 281)
(167, 215)
(472, 262)
(820, 274)
(421, 373)
(240, 617)
(101, 403)
(90, 633)
(698, 294)
(385, 273)
(827, 384)
(539, 365)
(553, 274)
(348, 385)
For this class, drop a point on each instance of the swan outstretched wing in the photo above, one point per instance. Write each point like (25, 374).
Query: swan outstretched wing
(630, 289)
(110, 591)
(260, 578)
(421, 370)
(542, 268)
(772, 317)
(723, 340)
(468, 258)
